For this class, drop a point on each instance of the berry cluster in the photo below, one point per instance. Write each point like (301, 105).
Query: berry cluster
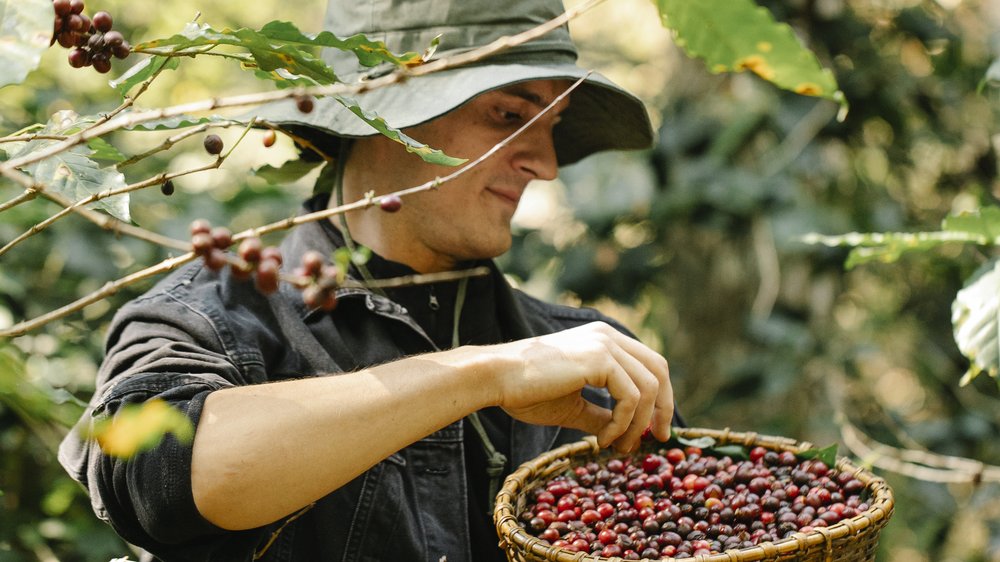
(317, 279)
(92, 41)
(683, 503)
(323, 280)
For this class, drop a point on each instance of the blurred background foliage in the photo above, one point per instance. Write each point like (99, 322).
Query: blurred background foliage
(693, 244)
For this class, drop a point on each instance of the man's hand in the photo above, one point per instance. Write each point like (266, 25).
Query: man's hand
(540, 381)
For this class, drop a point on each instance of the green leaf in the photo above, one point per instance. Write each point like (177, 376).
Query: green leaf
(279, 51)
(827, 454)
(73, 173)
(25, 33)
(103, 150)
(425, 152)
(737, 35)
(732, 450)
(141, 72)
(290, 171)
(975, 316)
(983, 223)
(700, 442)
(179, 122)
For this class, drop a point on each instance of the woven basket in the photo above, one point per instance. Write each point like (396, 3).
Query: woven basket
(850, 540)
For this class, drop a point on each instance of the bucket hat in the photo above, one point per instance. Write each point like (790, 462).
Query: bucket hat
(601, 115)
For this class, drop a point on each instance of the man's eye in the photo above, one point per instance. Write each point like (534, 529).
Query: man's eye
(509, 116)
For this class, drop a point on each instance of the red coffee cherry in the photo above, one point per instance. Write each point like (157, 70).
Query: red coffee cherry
(390, 203)
(305, 104)
(213, 144)
(269, 138)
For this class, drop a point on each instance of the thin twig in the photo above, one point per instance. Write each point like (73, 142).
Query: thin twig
(172, 263)
(9, 167)
(26, 195)
(29, 138)
(929, 467)
(399, 75)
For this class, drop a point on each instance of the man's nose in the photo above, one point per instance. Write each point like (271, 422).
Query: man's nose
(536, 153)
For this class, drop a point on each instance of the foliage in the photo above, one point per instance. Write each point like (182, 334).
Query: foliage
(694, 244)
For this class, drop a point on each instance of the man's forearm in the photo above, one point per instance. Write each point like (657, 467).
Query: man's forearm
(263, 451)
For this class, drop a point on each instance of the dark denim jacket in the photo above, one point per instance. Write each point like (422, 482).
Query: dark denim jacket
(198, 331)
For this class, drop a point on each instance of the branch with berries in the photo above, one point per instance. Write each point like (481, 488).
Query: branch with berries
(92, 41)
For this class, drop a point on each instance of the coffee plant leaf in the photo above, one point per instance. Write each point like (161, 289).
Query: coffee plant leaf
(888, 247)
(290, 171)
(369, 53)
(141, 72)
(139, 427)
(738, 35)
(75, 175)
(983, 224)
(180, 122)
(425, 152)
(975, 317)
(104, 150)
(826, 454)
(25, 33)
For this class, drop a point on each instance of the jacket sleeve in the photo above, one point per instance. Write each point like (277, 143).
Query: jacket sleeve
(158, 347)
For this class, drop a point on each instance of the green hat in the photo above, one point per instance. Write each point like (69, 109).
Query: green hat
(601, 115)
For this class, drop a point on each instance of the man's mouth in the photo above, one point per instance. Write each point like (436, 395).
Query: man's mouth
(511, 196)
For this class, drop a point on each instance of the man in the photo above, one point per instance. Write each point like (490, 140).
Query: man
(379, 431)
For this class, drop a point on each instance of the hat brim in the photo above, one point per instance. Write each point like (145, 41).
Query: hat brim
(600, 116)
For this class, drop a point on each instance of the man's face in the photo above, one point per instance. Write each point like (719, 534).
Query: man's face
(467, 218)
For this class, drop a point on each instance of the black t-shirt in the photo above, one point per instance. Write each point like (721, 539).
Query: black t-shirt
(432, 306)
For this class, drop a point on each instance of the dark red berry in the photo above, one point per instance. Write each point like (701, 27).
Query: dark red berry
(269, 138)
(101, 62)
(304, 103)
(213, 144)
(390, 203)
(202, 243)
(267, 277)
(67, 39)
(271, 253)
(78, 58)
(200, 226)
(167, 188)
(215, 259)
(121, 51)
(222, 238)
(103, 21)
(312, 262)
(113, 38)
(250, 250)
(62, 7)
(75, 6)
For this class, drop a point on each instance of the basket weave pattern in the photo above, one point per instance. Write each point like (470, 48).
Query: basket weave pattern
(850, 540)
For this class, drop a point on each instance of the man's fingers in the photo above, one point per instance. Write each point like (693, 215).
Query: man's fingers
(648, 386)
(658, 367)
(626, 395)
(591, 418)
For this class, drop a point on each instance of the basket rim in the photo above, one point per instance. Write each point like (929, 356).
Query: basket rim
(559, 459)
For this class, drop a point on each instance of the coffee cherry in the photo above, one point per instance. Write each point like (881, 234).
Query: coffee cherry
(271, 253)
(250, 249)
(222, 238)
(269, 138)
(112, 38)
(312, 262)
(78, 58)
(200, 226)
(67, 39)
(215, 259)
(267, 278)
(121, 51)
(202, 243)
(390, 203)
(304, 104)
(62, 7)
(75, 6)
(103, 22)
(213, 144)
(101, 62)
(167, 188)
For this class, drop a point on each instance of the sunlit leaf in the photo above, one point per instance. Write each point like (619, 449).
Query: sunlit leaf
(827, 454)
(141, 72)
(140, 427)
(178, 122)
(74, 173)
(983, 223)
(738, 35)
(975, 316)
(279, 51)
(103, 150)
(425, 152)
(25, 33)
